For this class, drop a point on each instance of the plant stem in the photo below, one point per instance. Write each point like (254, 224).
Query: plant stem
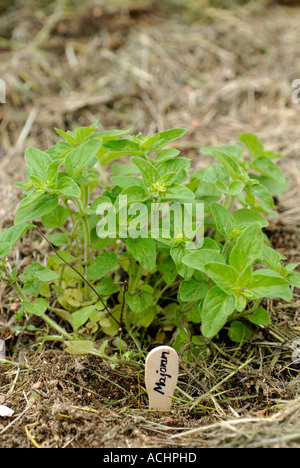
(245, 313)
(86, 232)
(75, 226)
(232, 198)
(22, 296)
(137, 279)
(81, 276)
(54, 325)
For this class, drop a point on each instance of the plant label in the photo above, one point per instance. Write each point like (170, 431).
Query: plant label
(161, 374)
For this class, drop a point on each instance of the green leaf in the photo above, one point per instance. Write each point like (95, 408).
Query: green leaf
(248, 247)
(273, 186)
(198, 259)
(37, 271)
(102, 265)
(259, 317)
(81, 316)
(68, 187)
(67, 135)
(225, 276)
(135, 194)
(212, 174)
(38, 161)
(56, 218)
(58, 239)
(235, 187)
(65, 255)
(108, 156)
(158, 141)
(33, 287)
(177, 254)
(127, 181)
(268, 283)
(107, 287)
(167, 179)
(109, 135)
(245, 277)
(94, 208)
(239, 332)
(217, 307)
(271, 258)
(246, 216)
(207, 192)
(268, 168)
(38, 183)
(235, 151)
(229, 163)
(30, 198)
(222, 218)
(265, 198)
(174, 165)
(166, 154)
(124, 170)
(109, 325)
(5, 248)
(168, 270)
(41, 207)
(191, 291)
(124, 146)
(14, 233)
(38, 307)
(139, 301)
(178, 193)
(271, 176)
(59, 150)
(73, 296)
(253, 143)
(144, 251)
(80, 157)
(80, 347)
(53, 170)
(82, 133)
(149, 173)
(293, 278)
(210, 244)
(148, 316)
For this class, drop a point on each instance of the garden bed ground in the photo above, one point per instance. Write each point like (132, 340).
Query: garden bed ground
(147, 67)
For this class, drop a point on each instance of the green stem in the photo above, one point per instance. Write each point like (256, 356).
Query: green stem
(56, 327)
(245, 313)
(168, 286)
(22, 296)
(137, 279)
(102, 173)
(75, 224)
(232, 198)
(86, 233)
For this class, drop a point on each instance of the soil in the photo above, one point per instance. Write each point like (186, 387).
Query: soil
(149, 66)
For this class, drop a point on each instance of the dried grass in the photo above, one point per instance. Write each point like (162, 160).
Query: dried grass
(140, 67)
(147, 68)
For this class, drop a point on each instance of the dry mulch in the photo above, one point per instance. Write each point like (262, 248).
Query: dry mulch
(149, 66)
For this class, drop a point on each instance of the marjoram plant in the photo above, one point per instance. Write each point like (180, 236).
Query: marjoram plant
(111, 274)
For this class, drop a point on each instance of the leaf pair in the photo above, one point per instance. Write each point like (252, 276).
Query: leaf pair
(235, 283)
(162, 181)
(150, 144)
